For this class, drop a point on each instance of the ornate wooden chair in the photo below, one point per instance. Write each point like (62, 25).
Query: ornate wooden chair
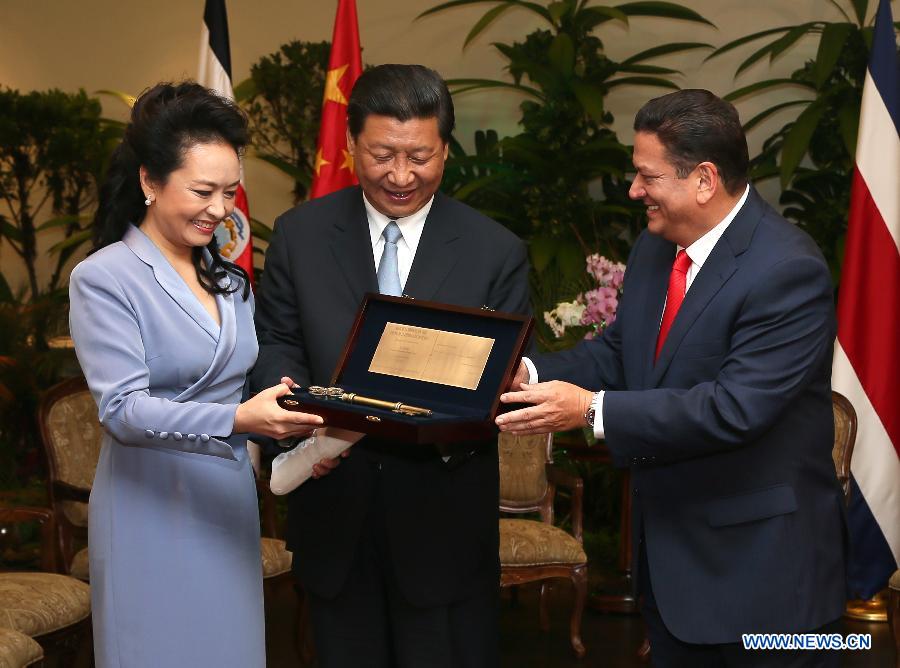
(532, 550)
(18, 650)
(71, 435)
(52, 609)
(844, 439)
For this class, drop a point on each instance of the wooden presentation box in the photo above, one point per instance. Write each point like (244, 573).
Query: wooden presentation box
(451, 360)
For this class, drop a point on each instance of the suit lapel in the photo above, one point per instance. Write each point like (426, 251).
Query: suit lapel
(436, 254)
(170, 281)
(351, 246)
(718, 268)
(653, 303)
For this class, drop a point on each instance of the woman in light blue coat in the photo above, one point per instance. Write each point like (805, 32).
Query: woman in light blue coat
(163, 328)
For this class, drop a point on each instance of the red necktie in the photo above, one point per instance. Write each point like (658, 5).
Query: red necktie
(674, 297)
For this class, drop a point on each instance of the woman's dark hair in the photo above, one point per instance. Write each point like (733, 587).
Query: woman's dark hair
(696, 126)
(166, 121)
(403, 92)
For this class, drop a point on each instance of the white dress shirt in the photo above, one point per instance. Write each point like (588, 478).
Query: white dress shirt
(698, 252)
(411, 230)
(410, 227)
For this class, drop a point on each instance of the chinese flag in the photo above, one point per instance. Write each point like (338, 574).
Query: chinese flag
(334, 164)
(233, 235)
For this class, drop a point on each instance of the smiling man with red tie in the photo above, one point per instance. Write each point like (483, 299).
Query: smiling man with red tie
(714, 386)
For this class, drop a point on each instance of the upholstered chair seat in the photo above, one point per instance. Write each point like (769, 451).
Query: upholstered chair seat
(531, 543)
(52, 609)
(17, 650)
(39, 603)
(537, 551)
(276, 560)
(79, 566)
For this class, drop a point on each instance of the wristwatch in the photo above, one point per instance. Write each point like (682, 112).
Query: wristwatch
(591, 412)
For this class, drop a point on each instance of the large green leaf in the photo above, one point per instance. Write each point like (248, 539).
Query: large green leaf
(9, 231)
(765, 113)
(664, 50)
(559, 9)
(763, 85)
(668, 10)
(260, 230)
(61, 221)
(834, 36)
(746, 39)
(6, 295)
(860, 7)
(790, 38)
(647, 69)
(759, 54)
(477, 84)
(245, 90)
(534, 7)
(590, 17)
(453, 3)
(283, 165)
(478, 184)
(485, 21)
(591, 98)
(562, 54)
(71, 242)
(796, 143)
(125, 98)
(848, 120)
(642, 81)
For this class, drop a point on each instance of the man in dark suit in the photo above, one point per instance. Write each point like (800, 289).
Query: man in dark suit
(713, 385)
(397, 546)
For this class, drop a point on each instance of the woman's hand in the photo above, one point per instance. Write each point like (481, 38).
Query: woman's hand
(261, 414)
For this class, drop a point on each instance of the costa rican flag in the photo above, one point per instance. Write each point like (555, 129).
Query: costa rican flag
(867, 352)
(233, 235)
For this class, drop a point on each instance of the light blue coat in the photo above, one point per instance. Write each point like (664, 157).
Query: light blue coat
(176, 575)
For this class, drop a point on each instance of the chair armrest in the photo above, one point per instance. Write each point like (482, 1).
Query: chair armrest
(44, 516)
(65, 492)
(575, 484)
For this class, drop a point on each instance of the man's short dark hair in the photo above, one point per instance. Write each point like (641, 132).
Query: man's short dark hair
(696, 126)
(403, 92)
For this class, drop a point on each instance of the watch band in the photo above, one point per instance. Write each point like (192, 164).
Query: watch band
(590, 415)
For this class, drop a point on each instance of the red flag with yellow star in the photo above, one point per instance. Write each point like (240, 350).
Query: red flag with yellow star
(334, 164)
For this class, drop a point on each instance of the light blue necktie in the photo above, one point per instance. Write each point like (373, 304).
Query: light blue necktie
(388, 272)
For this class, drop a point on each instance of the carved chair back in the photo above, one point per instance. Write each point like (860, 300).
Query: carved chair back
(524, 487)
(844, 439)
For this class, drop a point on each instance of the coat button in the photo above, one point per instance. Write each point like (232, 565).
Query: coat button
(204, 438)
(164, 435)
(192, 437)
(149, 433)
(177, 435)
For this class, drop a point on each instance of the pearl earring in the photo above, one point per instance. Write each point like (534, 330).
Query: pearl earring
(149, 200)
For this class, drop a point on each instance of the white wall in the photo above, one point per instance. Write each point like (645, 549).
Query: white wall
(128, 45)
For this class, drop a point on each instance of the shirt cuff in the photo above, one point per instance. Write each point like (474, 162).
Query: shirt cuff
(532, 371)
(597, 405)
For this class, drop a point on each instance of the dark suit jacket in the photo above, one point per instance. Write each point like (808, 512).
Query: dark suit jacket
(729, 434)
(441, 520)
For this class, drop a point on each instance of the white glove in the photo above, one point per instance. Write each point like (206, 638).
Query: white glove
(291, 469)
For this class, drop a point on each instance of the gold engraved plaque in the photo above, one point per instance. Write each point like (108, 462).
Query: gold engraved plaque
(431, 355)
